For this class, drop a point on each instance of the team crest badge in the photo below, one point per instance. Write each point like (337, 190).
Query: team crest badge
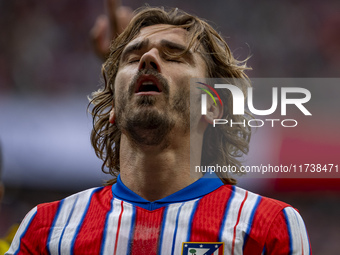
(196, 248)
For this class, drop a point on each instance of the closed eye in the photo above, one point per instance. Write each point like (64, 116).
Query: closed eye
(176, 60)
(133, 61)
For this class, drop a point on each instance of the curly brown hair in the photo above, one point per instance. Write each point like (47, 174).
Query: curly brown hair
(230, 142)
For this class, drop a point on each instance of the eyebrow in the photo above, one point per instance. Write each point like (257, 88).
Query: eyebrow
(134, 47)
(182, 49)
(164, 43)
(172, 46)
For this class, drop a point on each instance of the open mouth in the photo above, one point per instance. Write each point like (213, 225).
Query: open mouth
(148, 84)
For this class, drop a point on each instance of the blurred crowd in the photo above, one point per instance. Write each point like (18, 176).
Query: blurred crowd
(45, 46)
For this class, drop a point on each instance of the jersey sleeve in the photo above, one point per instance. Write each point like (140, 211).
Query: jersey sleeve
(33, 233)
(22, 230)
(287, 235)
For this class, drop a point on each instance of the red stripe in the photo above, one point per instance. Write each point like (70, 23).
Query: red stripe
(147, 230)
(278, 237)
(267, 227)
(238, 220)
(91, 231)
(220, 250)
(39, 227)
(209, 214)
(118, 228)
(301, 244)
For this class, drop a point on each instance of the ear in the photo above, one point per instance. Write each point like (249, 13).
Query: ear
(112, 117)
(214, 110)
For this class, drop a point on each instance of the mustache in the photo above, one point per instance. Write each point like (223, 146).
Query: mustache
(157, 75)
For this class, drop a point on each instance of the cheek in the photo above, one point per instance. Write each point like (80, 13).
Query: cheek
(121, 83)
(180, 83)
(119, 97)
(181, 95)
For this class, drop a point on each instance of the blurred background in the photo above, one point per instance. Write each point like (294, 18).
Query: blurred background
(48, 68)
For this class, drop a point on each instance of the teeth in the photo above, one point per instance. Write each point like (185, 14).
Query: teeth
(148, 83)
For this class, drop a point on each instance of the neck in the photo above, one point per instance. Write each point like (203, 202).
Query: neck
(154, 172)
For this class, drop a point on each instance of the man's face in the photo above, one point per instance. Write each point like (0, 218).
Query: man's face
(152, 90)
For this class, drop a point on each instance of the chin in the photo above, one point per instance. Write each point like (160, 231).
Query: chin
(148, 127)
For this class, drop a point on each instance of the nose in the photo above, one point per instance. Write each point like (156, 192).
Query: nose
(150, 60)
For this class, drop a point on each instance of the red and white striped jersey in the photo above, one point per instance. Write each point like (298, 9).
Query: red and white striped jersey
(115, 220)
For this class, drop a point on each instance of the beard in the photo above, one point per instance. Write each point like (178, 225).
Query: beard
(144, 123)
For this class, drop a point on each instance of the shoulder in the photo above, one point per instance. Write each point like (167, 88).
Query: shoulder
(234, 200)
(82, 197)
(79, 201)
(266, 224)
(35, 228)
(257, 211)
(43, 216)
(251, 201)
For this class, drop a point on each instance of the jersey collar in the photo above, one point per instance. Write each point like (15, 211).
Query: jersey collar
(195, 190)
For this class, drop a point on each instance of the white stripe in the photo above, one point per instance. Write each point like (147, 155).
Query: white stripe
(243, 224)
(183, 225)
(169, 228)
(216, 252)
(112, 225)
(298, 231)
(79, 201)
(231, 219)
(23, 227)
(304, 234)
(125, 227)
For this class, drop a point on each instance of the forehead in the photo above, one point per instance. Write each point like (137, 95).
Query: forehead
(160, 32)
